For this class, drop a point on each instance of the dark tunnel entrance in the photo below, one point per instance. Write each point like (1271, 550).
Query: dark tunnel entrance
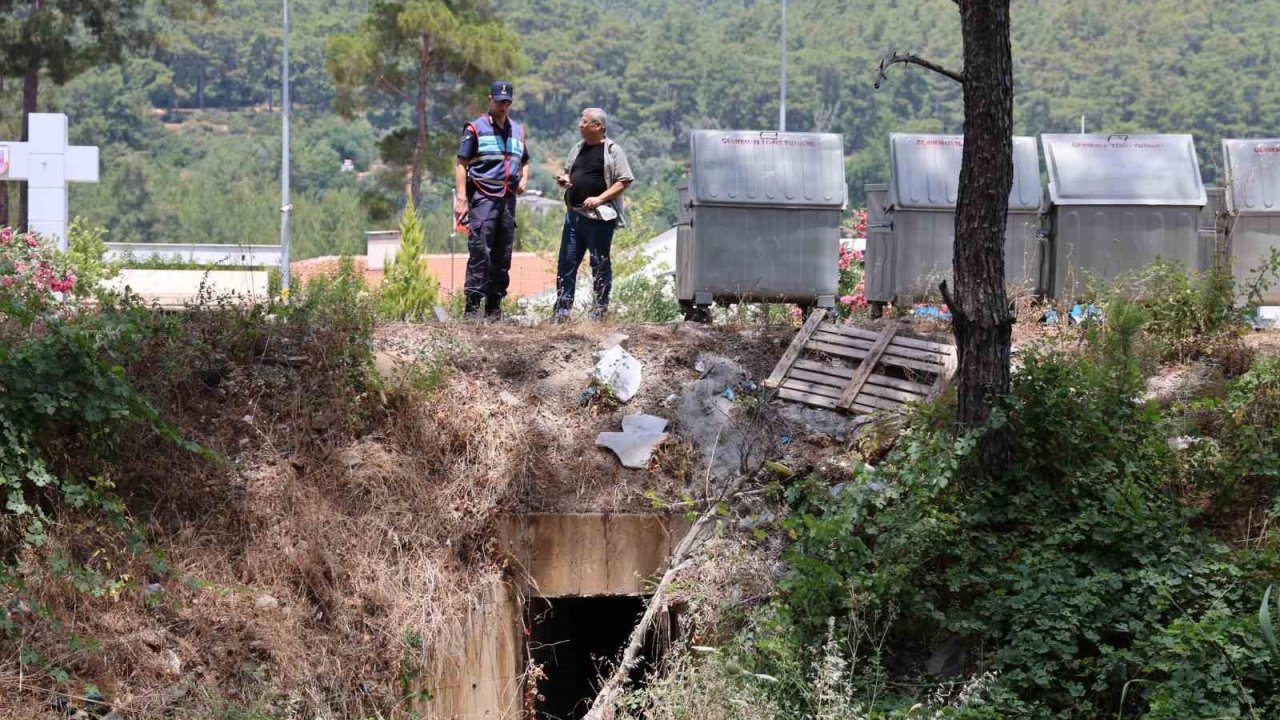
(576, 641)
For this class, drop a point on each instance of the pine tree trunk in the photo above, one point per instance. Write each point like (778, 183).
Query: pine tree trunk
(983, 320)
(420, 110)
(30, 97)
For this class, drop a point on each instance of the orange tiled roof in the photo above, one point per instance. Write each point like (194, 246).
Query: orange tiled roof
(531, 274)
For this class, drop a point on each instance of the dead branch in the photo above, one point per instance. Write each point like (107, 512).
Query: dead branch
(602, 706)
(912, 59)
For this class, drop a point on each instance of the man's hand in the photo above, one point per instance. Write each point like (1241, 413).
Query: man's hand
(563, 181)
(460, 205)
(520, 187)
(592, 203)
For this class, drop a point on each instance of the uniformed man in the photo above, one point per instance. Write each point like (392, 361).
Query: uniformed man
(492, 169)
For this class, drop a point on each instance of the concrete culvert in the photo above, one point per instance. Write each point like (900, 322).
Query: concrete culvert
(576, 641)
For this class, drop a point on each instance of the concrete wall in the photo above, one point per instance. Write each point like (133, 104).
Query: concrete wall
(591, 554)
(231, 255)
(549, 556)
(483, 683)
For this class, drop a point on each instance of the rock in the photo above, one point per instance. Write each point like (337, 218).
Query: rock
(153, 589)
(173, 662)
(641, 435)
(151, 639)
(706, 417)
(266, 602)
(509, 399)
(441, 314)
(620, 372)
(643, 423)
(613, 340)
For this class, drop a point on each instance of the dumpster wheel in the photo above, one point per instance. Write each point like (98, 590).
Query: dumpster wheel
(695, 313)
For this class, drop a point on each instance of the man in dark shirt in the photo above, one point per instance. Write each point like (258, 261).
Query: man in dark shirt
(595, 177)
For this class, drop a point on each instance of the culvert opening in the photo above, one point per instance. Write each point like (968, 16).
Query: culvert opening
(577, 641)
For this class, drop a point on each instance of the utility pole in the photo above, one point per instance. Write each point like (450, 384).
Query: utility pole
(286, 209)
(782, 106)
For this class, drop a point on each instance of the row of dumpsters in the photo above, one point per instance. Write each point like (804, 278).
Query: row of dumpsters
(760, 217)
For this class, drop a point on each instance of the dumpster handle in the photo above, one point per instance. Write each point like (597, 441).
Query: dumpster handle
(1043, 237)
(770, 134)
(1118, 135)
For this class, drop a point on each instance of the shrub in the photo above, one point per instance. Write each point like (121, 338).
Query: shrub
(640, 298)
(86, 255)
(1076, 577)
(409, 292)
(1189, 313)
(31, 272)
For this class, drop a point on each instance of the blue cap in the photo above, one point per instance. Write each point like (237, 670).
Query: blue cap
(500, 90)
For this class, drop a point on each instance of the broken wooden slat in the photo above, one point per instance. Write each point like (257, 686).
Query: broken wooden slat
(834, 370)
(936, 360)
(838, 350)
(818, 378)
(797, 346)
(854, 331)
(868, 365)
(931, 368)
(856, 354)
(890, 394)
(807, 398)
(914, 388)
(811, 388)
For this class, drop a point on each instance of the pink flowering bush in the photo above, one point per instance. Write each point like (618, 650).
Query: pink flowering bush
(31, 272)
(851, 295)
(851, 290)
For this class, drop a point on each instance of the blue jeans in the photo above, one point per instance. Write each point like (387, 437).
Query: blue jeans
(580, 236)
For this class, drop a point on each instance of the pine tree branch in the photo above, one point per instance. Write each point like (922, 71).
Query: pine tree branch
(384, 82)
(912, 59)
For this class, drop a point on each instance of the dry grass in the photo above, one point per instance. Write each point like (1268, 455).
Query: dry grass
(341, 538)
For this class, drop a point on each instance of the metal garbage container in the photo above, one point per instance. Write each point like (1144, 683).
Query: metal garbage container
(760, 219)
(1119, 202)
(1252, 210)
(917, 220)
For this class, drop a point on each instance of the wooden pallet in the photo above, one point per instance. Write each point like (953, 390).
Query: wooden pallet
(894, 369)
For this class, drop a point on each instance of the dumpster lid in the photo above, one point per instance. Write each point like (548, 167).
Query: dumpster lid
(1253, 175)
(767, 168)
(1123, 170)
(925, 172)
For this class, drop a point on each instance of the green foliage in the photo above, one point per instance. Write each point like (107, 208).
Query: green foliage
(65, 393)
(86, 255)
(342, 303)
(1266, 621)
(409, 292)
(641, 298)
(410, 49)
(1187, 312)
(1077, 578)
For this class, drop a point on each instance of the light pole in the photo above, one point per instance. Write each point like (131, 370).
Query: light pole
(286, 209)
(782, 106)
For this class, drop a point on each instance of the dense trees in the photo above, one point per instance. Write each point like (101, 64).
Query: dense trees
(659, 67)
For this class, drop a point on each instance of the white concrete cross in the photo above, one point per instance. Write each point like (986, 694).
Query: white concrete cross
(47, 163)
